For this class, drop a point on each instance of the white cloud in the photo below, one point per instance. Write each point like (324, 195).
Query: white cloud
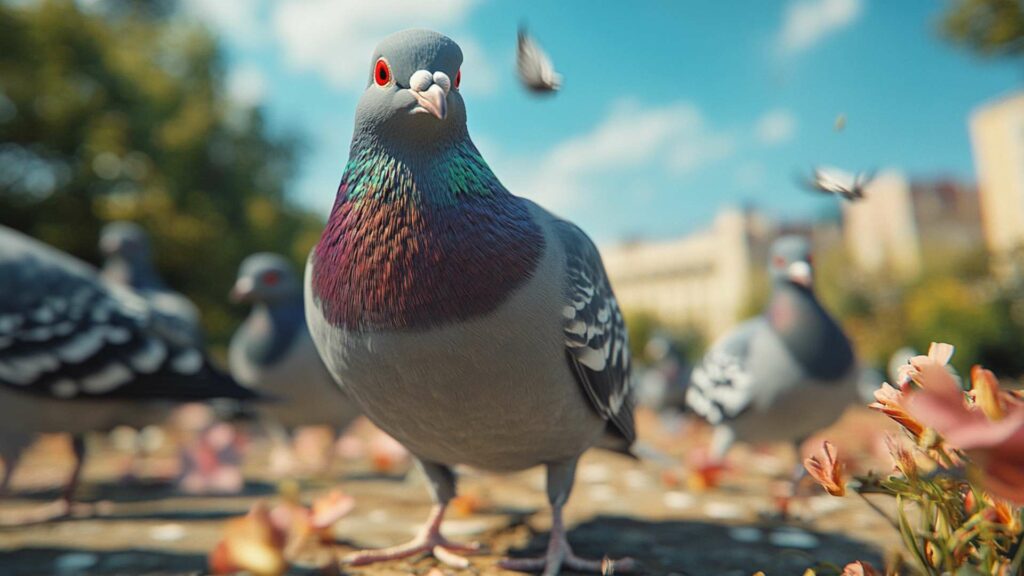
(335, 37)
(247, 85)
(775, 127)
(809, 21)
(674, 140)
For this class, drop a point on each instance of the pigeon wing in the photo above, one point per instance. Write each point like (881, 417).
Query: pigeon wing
(65, 333)
(596, 342)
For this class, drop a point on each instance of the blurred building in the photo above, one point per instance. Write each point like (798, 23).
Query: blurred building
(699, 281)
(997, 137)
(901, 224)
(880, 231)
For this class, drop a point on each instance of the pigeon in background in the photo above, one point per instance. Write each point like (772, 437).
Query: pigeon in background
(837, 182)
(128, 261)
(780, 376)
(468, 323)
(79, 355)
(663, 386)
(272, 352)
(536, 71)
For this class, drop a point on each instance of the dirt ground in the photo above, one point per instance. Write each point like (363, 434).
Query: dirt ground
(619, 508)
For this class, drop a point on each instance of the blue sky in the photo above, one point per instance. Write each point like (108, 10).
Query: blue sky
(670, 110)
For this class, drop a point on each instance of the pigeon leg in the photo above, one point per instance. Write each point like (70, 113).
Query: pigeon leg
(11, 447)
(429, 540)
(559, 553)
(64, 506)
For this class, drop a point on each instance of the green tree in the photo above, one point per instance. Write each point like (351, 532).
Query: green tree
(118, 110)
(988, 27)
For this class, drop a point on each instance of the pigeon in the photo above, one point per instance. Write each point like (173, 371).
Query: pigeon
(838, 182)
(79, 355)
(663, 387)
(780, 376)
(273, 353)
(128, 262)
(469, 324)
(536, 71)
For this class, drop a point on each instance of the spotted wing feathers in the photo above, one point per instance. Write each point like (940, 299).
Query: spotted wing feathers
(597, 345)
(64, 334)
(721, 387)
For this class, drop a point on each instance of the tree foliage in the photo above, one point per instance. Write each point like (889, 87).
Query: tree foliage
(988, 27)
(118, 110)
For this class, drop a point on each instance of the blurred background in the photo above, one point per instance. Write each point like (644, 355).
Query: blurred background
(677, 143)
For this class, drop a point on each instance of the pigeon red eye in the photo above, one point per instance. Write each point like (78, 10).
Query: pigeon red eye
(271, 278)
(458, 78)
(382, 73)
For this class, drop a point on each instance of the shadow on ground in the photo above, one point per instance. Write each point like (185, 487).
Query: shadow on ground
(695, 548)
(64, 561)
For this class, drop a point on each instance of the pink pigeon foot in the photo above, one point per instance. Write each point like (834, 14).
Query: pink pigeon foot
(428, 541)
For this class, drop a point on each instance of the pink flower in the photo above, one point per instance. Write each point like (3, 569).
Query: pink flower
(996, 447)
(827, 470)
(860, 568)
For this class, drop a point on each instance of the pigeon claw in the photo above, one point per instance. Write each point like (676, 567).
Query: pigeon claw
(435, 545)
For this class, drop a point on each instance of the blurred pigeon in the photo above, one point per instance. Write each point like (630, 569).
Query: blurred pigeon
(664, 384)
(835, 181)
(272, 351)
(468, 323)
(78, 355)
(782, 375)
(129, 262)
(536, 71)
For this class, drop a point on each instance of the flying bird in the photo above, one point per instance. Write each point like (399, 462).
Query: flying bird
(837, 182)
(272, 352)
(536, 71)
(780, 376)
(128, 261)
(79, 355)
(468, 323)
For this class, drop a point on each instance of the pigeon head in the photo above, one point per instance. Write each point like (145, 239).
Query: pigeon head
(790, 261)
(412, 96)
(265, 278)
(126, 240)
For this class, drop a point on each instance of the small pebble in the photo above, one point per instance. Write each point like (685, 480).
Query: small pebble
(722, 511)
(745, 534)
(677, 500)
(75, 562)
(793, 538)
(167, 532)
(594, 474)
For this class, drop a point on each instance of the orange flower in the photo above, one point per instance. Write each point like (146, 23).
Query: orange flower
(251, 543)
(902, 459)
(827, 471)
(888, 402)
(986, 393)
(860, 568)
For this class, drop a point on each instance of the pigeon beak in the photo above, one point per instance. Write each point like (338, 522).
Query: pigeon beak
(801, 273)
(242, 290)
(433, 100)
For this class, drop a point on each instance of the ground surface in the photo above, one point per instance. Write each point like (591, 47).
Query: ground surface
(619, 507)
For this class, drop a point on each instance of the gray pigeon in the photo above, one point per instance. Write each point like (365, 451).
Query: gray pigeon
(468, 323)
(780, 376)
(272, 352)
(128, 261)
(79, 355)
(663, 386)
(536, 72)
